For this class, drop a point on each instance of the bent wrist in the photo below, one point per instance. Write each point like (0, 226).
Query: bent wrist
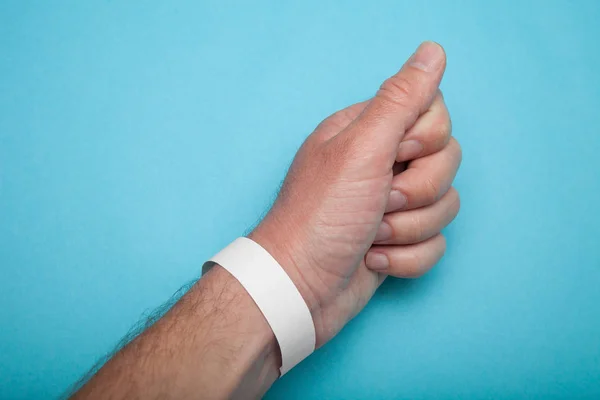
(282, 246)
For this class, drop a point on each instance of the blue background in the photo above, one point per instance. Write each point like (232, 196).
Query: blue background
(138, 138)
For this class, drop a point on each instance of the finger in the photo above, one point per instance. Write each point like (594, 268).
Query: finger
(409, 261)
(397, 105)
(426, 180)
(414, 226)
(429, 134)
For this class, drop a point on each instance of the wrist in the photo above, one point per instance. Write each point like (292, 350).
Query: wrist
(281, 243)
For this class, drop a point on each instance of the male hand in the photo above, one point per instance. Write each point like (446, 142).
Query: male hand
(367, 195)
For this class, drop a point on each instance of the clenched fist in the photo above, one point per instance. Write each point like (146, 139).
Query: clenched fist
(367, 195)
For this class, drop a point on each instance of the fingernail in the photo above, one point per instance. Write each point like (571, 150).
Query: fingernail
(384, 232)
(377, 261)
(409, 150)
(396, 201)
(428, 57)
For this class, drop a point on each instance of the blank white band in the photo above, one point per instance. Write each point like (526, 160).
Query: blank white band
(275, 295)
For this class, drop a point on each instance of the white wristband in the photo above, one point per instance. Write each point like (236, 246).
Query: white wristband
(275, 295)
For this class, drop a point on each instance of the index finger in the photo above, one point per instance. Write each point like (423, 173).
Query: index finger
(427, 179)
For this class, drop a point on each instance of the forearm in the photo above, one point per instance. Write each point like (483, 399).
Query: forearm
(214, 343)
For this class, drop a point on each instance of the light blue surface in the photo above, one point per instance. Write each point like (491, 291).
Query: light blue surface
(138, 139)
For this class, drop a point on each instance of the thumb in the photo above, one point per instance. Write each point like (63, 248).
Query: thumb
(401, 99)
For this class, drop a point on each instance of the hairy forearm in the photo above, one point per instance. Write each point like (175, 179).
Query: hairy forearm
(214, 343)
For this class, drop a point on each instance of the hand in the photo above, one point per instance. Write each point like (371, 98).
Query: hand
(366, 196)
(345, 218)
(408, 242)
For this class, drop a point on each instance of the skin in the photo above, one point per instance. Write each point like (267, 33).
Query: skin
(365, 198)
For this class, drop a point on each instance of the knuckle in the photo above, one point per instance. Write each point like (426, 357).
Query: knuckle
(349, 114)
(456, 148)
(456, 200)
(340, 119)
(333, 121)
(443, 244)
(444, 130)
(415, 233)
(431, 190)
(398, 90)
(416, 266)
(317, 137)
